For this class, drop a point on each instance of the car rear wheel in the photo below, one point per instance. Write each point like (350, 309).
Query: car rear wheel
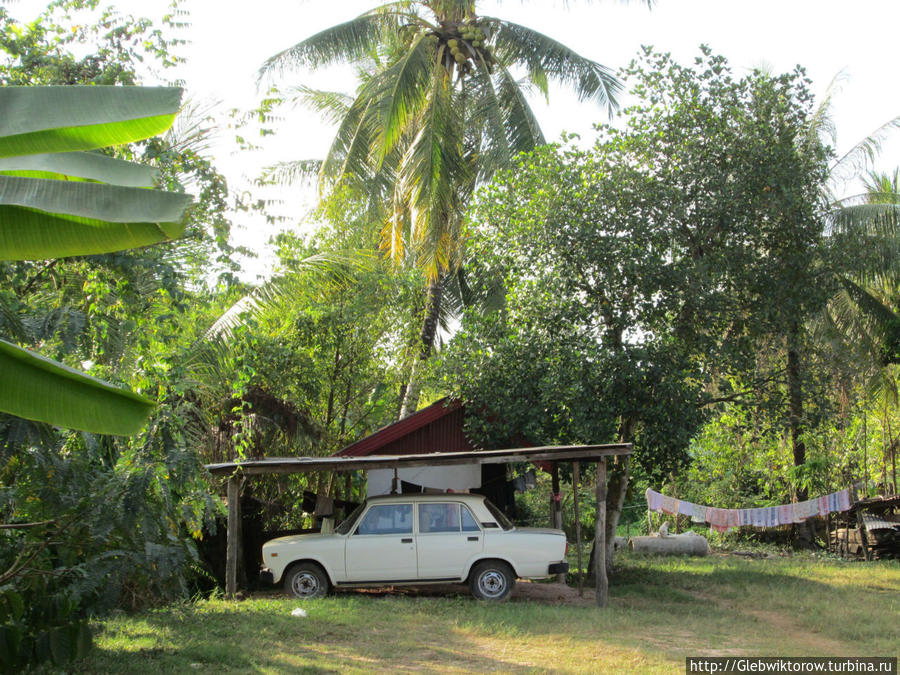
(492, 580)
(306, 581)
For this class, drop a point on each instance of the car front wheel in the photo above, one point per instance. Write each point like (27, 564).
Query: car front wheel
(306, 581)
(492, 580)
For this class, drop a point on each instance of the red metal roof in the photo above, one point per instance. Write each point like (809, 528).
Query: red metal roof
(437, 428)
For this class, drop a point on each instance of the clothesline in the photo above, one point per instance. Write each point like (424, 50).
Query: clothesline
(723, 520)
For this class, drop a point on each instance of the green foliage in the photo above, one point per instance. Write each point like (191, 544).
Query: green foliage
(642, 272)
(97, 522)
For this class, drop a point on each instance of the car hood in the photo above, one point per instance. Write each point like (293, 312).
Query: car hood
(300, 538)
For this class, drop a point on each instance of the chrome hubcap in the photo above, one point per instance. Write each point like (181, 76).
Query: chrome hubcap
(305, 584)
(492, 583)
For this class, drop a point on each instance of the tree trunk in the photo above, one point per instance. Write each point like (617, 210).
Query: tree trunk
(617, 488)
(795, 402)
(426, 346)
(804, 531)
(615, 500)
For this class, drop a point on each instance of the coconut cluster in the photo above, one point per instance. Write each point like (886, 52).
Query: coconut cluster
(467, 43)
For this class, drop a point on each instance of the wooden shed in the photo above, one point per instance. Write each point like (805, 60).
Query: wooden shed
(437, 428)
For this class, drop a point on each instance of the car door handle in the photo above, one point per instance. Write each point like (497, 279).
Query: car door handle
(406, 540)
(473, 538)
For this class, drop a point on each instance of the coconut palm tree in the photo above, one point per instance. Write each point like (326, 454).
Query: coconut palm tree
(438, 111)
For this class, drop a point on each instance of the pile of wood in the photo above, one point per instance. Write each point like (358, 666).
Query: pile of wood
(874, 537)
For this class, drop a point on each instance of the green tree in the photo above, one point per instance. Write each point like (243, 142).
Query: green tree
(438, 112)
(675, 248)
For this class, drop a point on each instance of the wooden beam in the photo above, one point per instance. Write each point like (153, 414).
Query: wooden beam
(600, 537)
(234, 520)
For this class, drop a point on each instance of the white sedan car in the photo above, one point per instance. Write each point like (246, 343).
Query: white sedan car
(417, 539)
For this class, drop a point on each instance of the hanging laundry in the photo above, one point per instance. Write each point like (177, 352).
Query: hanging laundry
(722, 520)
(669, 505)
(759, 518)
(699, 514)
(785, 514)
(718, 517)
(843, 500)
(654, 500)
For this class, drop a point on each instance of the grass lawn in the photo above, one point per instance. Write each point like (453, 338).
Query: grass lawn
(661, 611)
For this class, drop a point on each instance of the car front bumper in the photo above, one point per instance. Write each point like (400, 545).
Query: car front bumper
(558, 568)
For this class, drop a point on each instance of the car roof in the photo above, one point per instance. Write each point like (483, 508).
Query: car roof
(423, 497)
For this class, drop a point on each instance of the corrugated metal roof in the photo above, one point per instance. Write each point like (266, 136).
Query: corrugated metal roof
(876, 523)
(437, 428)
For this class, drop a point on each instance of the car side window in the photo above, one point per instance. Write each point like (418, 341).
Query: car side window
(387, 519)
(438, 518)
(469, 524)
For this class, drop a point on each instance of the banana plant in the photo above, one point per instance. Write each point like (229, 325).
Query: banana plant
(60, 198)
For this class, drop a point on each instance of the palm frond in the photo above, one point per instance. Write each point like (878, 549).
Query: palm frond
(345, 43)
(493, 150)
(861, 156)
(546, 59)
(821, 123)
(329, 269)
(882, 188)
(303, 172)
(195, 129)
(400, 94)
(333, 106)
(870, 305)
(523, 131)
(349, 152)
(430, 173)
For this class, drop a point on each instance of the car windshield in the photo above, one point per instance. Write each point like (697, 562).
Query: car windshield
(347, 523)
(502, 520)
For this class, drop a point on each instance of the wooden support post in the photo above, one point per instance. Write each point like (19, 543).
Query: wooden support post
(863, 535)
(600, 537)
(395, 483)
(233, 533)
(556, 509)
(576, 469)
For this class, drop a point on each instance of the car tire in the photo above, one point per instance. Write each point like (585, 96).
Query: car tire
(306, 581)
(492, 580)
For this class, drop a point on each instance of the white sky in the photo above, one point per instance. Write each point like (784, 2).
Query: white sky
(229, 41)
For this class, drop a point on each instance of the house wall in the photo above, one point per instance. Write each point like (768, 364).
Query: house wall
(463, 477)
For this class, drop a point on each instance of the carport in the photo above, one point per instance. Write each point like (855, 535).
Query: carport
(576, 454)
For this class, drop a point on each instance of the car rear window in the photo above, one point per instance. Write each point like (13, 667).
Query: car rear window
(502, 520)
(446, 517)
